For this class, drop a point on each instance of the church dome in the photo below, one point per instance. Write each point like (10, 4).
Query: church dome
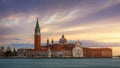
(63, 39)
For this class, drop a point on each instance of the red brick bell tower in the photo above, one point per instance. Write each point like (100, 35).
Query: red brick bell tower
(37, 37)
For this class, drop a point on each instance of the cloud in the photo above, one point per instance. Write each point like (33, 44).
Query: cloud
(9, 41)
(78, 17)
(91, 43)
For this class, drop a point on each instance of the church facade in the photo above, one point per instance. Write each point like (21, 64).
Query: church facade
(61, 49)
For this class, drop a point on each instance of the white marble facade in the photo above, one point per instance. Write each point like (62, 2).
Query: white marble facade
(77, 50)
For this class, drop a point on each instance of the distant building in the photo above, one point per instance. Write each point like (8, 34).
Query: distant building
(61, 49)
(97, 52)
(2, 49)
(1, 54)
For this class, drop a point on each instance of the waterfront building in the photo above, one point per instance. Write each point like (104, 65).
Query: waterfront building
(61, 49)
(97, 52)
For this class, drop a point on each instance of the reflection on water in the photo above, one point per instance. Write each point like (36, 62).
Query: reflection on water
(60, 63)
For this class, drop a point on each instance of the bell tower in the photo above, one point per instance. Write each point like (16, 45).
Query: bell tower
(37, 37)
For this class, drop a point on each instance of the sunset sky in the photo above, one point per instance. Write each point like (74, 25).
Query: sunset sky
(96, 23)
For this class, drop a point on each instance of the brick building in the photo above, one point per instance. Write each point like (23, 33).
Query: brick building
(97, 52)
(62, 49)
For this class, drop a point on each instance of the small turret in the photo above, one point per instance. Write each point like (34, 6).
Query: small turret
(52, 41)
(47, 42)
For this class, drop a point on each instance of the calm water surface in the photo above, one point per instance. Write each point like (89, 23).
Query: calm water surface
(60, 63)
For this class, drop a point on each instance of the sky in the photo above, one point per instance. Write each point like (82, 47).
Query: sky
(96, 23)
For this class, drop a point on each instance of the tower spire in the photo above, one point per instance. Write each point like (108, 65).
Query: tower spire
(37, 23)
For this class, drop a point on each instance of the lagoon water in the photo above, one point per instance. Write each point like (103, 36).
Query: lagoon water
(61, 63)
